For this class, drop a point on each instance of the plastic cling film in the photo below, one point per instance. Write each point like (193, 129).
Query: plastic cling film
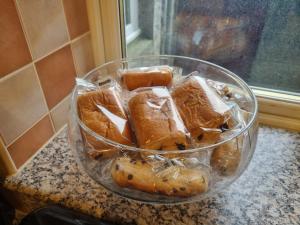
(221, 88)
(171, 179)
(225, 159)
(148, 76)
(156, 121)
(102, 111)
(203, 111)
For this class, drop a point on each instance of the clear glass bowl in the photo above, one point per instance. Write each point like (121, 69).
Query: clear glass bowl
(246, 135)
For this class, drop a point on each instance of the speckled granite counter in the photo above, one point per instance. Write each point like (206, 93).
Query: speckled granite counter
(267, 193)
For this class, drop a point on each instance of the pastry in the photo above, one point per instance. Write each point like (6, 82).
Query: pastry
(202, 110)
(147, 77)
(102, 112)
(139, 174)
(156, 121)
(225, 158)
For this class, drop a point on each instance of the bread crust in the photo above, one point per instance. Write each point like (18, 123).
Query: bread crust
(175, 181)
(225, 159)
(147, 78)
(156, 121)
(201, 109)
(102, 112)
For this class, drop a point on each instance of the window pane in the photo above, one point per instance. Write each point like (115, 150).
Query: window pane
(257, 39)
(127, 12)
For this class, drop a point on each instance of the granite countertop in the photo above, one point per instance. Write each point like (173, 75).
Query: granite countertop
(267, 193)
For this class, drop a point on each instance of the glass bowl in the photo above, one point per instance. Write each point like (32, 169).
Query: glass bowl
(201, 159)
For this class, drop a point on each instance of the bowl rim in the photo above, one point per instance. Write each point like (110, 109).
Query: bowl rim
(119, 146)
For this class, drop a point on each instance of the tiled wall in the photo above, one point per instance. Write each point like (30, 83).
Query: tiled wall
(44, 45)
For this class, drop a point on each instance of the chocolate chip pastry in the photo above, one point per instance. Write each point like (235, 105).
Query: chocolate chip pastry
(102, 112)
(202, 110)
(147, 77)
(225, 159)
(156, 121)
(174, 181)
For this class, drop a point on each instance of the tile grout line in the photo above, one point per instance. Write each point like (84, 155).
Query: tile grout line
(20, 16)
(52, 123)
(74, 61)
(60, 102)
(52, 51)
(81, 36)
(72, 50)
(44, 97)
(13, 73)
(55, 107)
(9, 75)
(39, 149)
(26, 130)
(65, 19)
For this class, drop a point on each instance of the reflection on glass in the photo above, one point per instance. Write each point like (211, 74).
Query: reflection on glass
(258, 40)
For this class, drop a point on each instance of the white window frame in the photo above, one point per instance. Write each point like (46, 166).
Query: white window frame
(132, 30)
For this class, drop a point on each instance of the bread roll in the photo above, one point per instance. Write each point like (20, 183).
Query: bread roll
(140, 175)
(156, 121)
(102, 112)
(202, 110)
(147, 77)
(225, 159)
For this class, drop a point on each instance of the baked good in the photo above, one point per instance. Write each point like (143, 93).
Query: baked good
(156, 121)
(147, 77)
(202, 110)
(102, 112)
(225, 159)
(139, 174)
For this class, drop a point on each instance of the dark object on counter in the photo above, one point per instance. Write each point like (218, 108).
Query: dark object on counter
(7, 213)
(59, 215)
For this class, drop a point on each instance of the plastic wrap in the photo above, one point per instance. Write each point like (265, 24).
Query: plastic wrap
(157, 174)
(225, 158)
(156, 121)
(204, 113)
(221, 88)
(147, 77)
(101, 110)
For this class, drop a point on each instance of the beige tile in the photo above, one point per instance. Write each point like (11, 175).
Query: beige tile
(25, 146)
(14, 52)
(83, 55)
(60, 113)
(45, 25)
(21, 103)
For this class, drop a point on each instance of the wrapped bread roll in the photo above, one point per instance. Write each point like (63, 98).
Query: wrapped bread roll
(156, 121)
(225, 159)
(204, 113)
(147, 77)
(103, 113)
(174, 180)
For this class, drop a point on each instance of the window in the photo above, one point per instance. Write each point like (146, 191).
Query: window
(132, 29)
(257, 39)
